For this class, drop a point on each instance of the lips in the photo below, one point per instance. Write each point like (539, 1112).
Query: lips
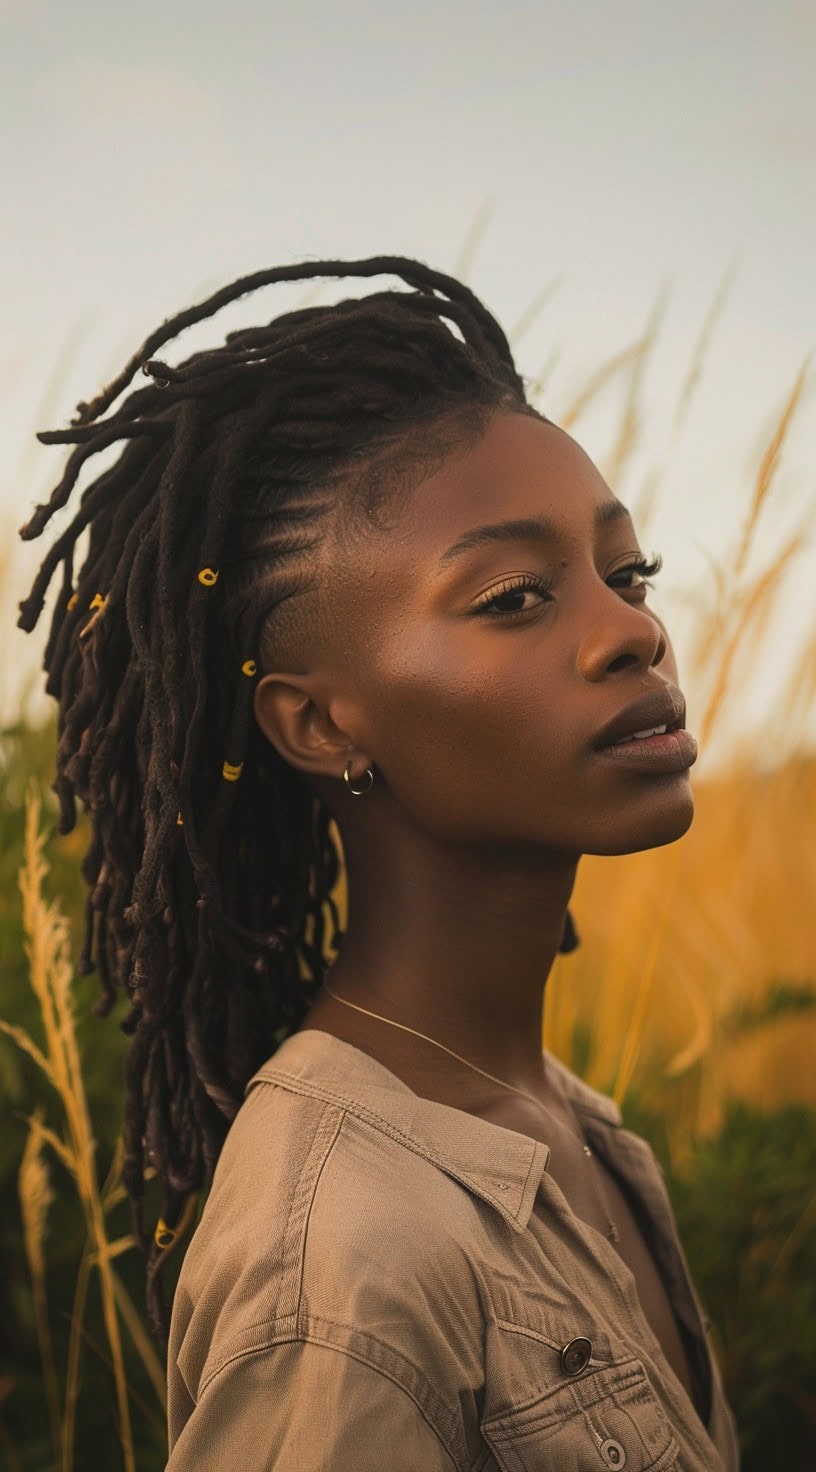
(664, 706)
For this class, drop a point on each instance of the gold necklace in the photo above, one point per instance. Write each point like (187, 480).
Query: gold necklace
(612, 1231)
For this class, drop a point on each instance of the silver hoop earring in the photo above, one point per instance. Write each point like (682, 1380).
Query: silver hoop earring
(358, 791)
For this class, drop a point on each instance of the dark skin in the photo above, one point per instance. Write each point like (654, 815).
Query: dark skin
(479, 729)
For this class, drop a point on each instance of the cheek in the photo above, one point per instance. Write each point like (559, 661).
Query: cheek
(468, 729)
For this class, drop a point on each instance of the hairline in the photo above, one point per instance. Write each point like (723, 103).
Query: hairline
(371, 497)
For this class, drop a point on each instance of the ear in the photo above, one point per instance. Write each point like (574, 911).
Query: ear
(299, 726)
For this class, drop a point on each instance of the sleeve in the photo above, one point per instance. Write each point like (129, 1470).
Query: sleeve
(301, 1406)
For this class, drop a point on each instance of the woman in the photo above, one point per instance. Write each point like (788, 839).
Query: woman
(344, 585)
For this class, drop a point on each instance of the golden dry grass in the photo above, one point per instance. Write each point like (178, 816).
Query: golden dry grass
(714, 923)
(36, 1196)
(679, 943)
(51, 978)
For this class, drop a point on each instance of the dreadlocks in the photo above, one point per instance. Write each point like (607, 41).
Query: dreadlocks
(211, 864)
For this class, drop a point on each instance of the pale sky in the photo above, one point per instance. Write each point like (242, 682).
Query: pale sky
(614, 147)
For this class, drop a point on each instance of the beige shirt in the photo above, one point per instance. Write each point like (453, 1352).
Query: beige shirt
(369, 1290)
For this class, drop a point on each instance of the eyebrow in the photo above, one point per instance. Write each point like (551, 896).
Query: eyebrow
(526, 529)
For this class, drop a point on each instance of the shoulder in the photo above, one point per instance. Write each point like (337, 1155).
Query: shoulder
(292, 1154)
(320, 1226)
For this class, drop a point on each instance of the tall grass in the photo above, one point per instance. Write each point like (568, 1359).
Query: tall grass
(670, 944)
(51, 976)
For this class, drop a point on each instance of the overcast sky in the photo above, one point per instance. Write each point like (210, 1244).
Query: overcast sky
(616, 148)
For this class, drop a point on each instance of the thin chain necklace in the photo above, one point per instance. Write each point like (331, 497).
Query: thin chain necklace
(611, 1230)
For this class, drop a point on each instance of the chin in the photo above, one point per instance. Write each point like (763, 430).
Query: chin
(664, 821)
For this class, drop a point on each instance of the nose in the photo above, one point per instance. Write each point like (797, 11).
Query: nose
(620, 636)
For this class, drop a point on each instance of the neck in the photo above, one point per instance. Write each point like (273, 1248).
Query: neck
(456, 945)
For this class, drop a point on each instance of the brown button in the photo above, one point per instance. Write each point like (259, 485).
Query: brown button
(613, 1454)
(575, 1356)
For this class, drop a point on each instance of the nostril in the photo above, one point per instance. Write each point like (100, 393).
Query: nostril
(623, 661)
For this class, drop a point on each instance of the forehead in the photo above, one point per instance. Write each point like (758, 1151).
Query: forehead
(520, 467)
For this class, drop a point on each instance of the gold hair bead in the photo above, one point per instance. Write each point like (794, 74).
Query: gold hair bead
(208, 576)
(97, 601)
(230, 772)
(73, 600)
(164, 1236)
(249, 667)
(180, 821)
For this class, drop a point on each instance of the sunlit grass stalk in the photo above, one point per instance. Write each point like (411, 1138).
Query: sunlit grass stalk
(48, 951)
(532, 312)
(646, 499)
(36, 1195)
(767, 467)
(538, 384)
(797, 700)
(631, 419)
(599, 380)
(112, 1192)
(141, 1338)
(99, 1349)
(747, 609)
(74, 1361)
(699, 352)
(463, 265)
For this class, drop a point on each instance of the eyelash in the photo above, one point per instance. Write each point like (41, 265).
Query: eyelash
(645, 567)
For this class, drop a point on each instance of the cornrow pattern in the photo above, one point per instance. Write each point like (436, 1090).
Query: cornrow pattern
(211, 864)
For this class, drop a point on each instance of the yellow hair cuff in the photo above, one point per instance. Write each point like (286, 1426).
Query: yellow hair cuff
(230, 772)
(208, 576)
(164, 1236)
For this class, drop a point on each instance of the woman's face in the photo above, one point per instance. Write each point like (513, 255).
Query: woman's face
(480, 668)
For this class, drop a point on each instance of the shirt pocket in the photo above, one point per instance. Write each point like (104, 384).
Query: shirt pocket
(605, 1418)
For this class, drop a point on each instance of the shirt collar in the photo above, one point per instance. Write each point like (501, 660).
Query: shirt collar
(501, 1166)
(589, 1105)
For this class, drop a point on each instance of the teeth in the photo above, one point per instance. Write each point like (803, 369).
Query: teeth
(641, 735)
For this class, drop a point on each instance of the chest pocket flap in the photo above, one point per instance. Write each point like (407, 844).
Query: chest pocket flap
(602, 1418)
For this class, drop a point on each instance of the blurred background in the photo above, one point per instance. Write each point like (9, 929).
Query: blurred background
(630, 186)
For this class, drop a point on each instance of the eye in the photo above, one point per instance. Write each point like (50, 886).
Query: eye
(635, 574)
(509, 598)
(512, 593)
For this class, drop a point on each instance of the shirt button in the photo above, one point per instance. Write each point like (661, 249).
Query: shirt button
(575, 1357)
(613, 1453)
